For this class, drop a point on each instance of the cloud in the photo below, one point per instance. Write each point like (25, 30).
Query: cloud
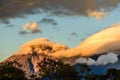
(102, 59)
(31, 27)
(107, 40)
(41, 45)
(19, 8)
(108, 58)
(48, 21)
(9, 25)
(87, 61)
(97, 14)
(23, 32)
(6, 22)
(74, 34)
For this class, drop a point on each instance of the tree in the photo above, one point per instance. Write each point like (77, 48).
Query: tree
(9, 72)
(112, 74)
(51, 69)
(67, 72)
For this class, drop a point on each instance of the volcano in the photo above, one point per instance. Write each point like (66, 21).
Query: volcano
(34, 52)
(100, 51)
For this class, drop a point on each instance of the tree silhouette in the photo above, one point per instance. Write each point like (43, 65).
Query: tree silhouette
(56, 70)
(50, 69)
(112, 74)
(9, 72)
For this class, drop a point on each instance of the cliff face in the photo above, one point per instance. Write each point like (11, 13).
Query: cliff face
(30, 63)
(26, 62)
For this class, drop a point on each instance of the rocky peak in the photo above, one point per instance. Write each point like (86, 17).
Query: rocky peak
(32, 63)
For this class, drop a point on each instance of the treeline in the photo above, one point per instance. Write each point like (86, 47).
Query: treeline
(56, 70)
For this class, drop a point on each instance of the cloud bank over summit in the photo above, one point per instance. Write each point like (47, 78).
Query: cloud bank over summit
(19, 8)
(107, 40)
(40, 45)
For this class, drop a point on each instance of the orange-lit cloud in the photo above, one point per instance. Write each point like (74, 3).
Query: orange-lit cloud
(39, 44)
(104, 41)
(97, 14)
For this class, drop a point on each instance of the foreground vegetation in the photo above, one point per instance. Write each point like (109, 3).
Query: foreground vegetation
(9, 72)
(56, 70)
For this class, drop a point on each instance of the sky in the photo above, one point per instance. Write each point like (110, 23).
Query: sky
(63, 21)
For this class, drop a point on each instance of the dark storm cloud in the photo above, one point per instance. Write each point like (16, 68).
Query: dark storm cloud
(48, 21)
(18, 8)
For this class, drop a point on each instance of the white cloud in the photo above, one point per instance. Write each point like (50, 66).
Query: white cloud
(108, 58)
(31, 27)
(102, 60)
(88, 61)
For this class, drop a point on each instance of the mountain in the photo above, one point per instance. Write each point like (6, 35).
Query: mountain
(33, 53)
(100, 52)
